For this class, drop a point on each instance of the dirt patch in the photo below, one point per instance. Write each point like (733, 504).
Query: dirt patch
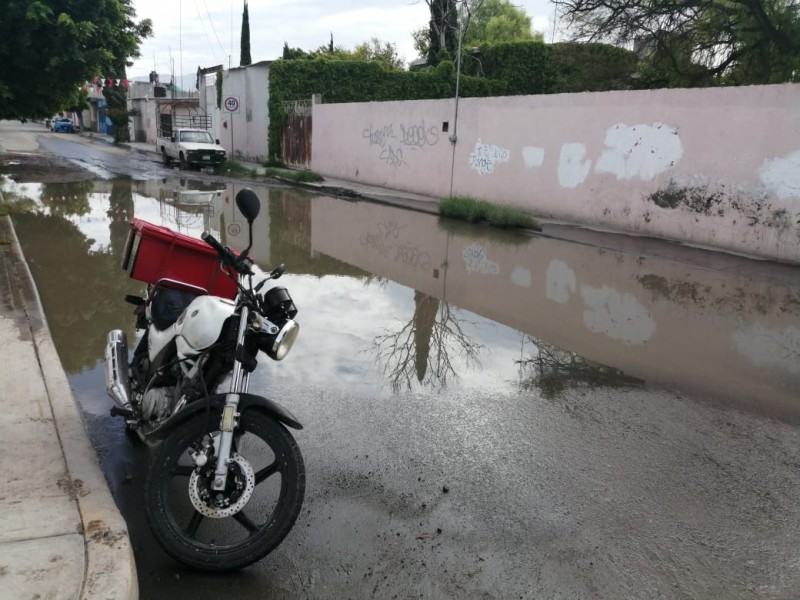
(40, 168)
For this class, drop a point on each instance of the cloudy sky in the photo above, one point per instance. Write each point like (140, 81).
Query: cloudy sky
(192, 33)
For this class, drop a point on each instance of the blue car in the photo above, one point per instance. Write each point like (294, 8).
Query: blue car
(63, 125)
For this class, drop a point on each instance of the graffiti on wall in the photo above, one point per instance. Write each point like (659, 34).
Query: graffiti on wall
(387, 242)
(484, 157)
(477, 260)
(394, 143)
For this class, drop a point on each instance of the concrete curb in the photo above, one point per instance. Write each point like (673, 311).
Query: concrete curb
(110, 572)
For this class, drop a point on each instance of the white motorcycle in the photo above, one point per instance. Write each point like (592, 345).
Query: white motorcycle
(227, 479)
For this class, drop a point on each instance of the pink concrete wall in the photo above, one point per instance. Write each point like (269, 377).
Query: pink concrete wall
(716, 167)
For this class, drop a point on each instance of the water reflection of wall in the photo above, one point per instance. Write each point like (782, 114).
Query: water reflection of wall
(704, 331)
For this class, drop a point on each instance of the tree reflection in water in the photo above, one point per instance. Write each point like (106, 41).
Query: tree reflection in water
(552, 371)
(82, 291)
(423, 349)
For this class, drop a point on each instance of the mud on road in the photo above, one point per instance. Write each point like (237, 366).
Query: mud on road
(40, 168)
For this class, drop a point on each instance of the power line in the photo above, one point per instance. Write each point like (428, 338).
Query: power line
(205, 31)
(213, 28)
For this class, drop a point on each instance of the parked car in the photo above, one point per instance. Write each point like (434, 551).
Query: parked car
(63, 125)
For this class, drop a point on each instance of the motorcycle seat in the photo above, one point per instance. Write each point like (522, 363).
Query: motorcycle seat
(167, 304)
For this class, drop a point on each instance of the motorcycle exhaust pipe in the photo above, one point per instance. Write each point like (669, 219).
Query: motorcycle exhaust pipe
(117, 382)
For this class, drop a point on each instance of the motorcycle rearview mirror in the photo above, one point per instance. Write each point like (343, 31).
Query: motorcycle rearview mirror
(277, 271)
(249, 205)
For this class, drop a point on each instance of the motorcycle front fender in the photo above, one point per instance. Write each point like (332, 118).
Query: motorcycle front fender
(216, 403)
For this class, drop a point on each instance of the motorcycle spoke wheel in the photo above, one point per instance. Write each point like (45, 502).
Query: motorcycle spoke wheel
(230, 542)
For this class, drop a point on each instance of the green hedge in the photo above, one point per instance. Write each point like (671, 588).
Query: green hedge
(503, 69)
(360, 81)
(520, 67)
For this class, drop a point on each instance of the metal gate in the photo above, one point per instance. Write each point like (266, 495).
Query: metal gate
(296, 141)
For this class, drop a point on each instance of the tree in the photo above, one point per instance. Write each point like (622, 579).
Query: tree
(77, 103)
(117, 101)
(482, 21)
(373, 50)
(245, 39)
(384, 53)
(443, 30)
(293, 53)
(727, 41)
(492, 21)
(49, 48)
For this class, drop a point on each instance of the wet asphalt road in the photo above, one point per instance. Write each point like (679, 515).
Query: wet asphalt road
(490, 490)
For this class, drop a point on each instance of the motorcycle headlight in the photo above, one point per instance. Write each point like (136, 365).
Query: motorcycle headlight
(277, 345)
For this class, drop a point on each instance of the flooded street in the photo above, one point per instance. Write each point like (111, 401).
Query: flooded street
(486, 414)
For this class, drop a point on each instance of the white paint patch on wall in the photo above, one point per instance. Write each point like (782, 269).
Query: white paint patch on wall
(477, 261)
(484, 157)
(768, 347)
(521, 277)
(641, 151)
(560, 281)
(533, 156)
(619, 316)
(782, 175)
(573, 166)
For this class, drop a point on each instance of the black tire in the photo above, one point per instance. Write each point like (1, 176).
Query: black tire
(226, 544)
(184, 162)
(165, 158)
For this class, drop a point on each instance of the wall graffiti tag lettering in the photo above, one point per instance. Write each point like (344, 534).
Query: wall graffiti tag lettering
(379, 137)
(392, 156)
(477, 262)
(413, 136)
(484, 157)
(387, 243)
(419, 135)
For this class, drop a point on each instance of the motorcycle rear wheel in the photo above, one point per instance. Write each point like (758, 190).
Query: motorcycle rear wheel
(229, 543)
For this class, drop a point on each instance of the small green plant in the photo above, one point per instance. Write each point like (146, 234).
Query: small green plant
(477, 211)
(302, 176)
(232, 167)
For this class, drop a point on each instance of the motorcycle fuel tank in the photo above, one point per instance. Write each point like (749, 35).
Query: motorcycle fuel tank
(201, 323)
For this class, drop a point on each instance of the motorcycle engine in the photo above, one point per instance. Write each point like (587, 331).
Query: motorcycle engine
(157, 403)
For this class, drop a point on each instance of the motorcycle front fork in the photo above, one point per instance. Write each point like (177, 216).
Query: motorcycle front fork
(240, 382)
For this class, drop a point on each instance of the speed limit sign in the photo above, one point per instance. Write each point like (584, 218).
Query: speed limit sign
(232, 104)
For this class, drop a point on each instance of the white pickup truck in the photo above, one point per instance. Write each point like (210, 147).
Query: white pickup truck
(192, 148)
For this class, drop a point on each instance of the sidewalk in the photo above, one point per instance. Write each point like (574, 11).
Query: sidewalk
(61, 534)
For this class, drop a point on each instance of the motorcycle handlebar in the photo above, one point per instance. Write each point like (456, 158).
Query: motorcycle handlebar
(240, 265)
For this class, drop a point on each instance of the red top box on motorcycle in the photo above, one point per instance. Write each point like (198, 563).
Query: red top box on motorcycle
(155, 254)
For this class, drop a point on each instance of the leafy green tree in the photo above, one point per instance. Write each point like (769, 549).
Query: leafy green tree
(49, 48)
(384, 53)
(245, 39)
(117, 100)
(372, 50)
(725, 41)
(482, 21)
(492, 21)
(78, 103)
(293, 53)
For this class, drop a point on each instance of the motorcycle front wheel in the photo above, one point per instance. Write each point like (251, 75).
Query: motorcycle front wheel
(266, 485)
